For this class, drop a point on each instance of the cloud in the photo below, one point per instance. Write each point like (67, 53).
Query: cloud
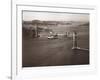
(49, 16)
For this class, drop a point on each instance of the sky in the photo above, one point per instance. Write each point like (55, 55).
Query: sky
(51, 16)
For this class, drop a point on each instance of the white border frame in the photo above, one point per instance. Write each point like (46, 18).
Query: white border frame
(18, 72)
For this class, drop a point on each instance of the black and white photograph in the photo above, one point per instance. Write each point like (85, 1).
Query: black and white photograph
(55, 38)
